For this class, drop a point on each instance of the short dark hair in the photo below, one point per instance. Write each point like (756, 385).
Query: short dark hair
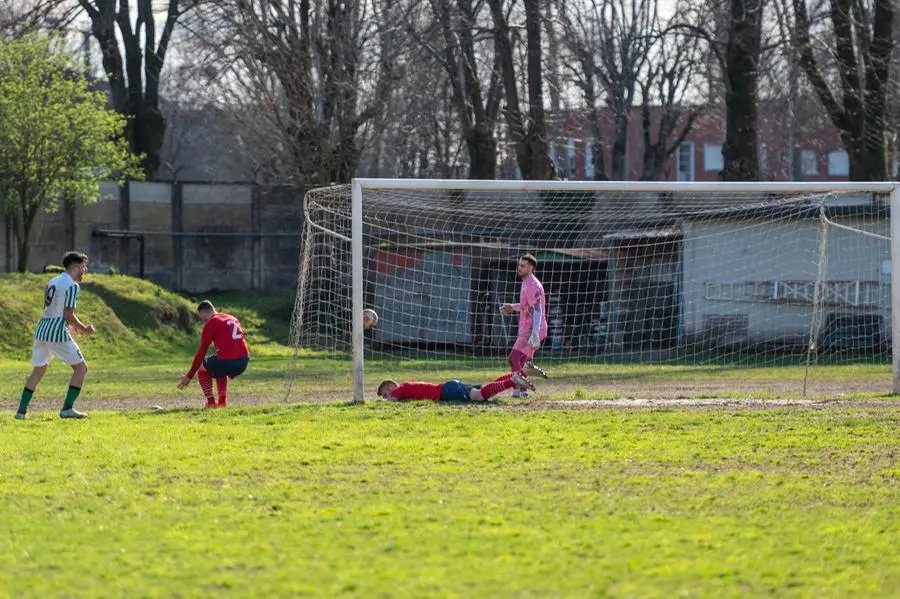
(529, 258)
(70, 258)
(384, 384)
(206, 305)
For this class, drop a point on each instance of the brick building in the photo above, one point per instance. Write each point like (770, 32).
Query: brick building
(806, 147)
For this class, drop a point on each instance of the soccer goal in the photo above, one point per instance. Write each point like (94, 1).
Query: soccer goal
(711, 277)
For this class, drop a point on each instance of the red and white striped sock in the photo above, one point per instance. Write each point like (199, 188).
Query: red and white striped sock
(497, 386)
(222, 388)
(206, 384)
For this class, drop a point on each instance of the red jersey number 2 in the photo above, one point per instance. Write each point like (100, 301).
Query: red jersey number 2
(236, 332)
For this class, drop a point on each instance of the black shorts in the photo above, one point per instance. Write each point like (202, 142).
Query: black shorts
(455, 391)
(219, 368)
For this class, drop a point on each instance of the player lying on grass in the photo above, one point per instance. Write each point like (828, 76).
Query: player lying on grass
(53, 335)
(230, 360)
(451, 391)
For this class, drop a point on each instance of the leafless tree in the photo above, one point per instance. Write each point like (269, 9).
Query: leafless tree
(457, 37)
(611, 41)
(22, 16)
(858, 64)
(671, 86)
(527, 130)
(144, 33)
(315, 71)
(741, 73)
(623, 53)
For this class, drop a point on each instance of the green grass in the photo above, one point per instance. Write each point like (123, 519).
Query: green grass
(146, 336)
(134, 317)
(145, 380)
(387, 500)
(421, 501)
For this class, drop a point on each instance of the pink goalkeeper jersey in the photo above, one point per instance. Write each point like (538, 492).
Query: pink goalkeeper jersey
(531, 293)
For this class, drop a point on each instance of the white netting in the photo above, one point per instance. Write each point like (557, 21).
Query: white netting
(725, 279)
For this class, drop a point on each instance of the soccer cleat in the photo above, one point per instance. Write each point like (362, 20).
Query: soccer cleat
(532, 369)
(222, 404)
(522, 381)
(210, 405)
(71, 413)
(519, 394)
(21, 416)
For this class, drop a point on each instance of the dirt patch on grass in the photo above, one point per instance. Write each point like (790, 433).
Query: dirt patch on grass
(640, 397)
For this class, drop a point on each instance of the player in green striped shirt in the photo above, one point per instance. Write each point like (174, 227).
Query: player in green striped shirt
(52, 336)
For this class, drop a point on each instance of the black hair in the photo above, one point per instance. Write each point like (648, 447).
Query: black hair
(206, 305)
(529, 258)
(384, 384)
(70, 258)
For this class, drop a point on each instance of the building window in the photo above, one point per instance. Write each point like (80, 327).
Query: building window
(808, 164)
(712, 157)
(684, 161)
(838, 164)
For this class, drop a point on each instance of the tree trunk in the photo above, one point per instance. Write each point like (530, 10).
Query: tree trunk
(149, 131)
(482, 152)
(620, 145)
(536, 146)
(742, 58)
(599, 158)
(23, 237)
(862, 50)
(22, 265)
(528, 134)
(867, 162)
(8, 243)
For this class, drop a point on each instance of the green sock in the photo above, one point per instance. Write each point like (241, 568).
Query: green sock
(71, 396)
(27, 394)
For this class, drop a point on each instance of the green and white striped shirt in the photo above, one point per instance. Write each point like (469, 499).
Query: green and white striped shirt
(61, 293)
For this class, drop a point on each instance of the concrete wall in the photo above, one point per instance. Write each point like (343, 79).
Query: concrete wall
(743, 258)
(197, 236)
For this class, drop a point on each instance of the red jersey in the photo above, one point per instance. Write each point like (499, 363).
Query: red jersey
(415, 390)
(225, 333)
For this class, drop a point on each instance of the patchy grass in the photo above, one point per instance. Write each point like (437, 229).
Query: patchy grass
(132, 316)
(390, 500)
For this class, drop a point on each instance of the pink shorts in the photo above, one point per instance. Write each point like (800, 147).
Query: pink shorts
(521, 353)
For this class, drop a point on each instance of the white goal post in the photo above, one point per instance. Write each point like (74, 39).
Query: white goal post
(813, 291)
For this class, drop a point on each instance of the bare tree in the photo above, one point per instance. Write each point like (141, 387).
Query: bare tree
(315, 71)
(528, 131)
(611, 40)
(673, 74)
(861, 46)
(134, 79)
(419, 131)
(464, 43)
(623, 54)
(742, 58)
(21, 16)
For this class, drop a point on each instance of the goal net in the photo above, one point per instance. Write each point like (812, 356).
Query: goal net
(652, 290)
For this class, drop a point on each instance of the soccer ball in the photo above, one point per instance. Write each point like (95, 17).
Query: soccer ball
(370, 318)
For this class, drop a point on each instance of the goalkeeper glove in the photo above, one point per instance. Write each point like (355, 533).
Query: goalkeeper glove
(534, 341)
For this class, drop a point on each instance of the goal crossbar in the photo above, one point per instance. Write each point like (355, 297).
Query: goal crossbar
(359, 185)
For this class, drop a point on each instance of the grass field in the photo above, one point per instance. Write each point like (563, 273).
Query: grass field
(512, 499)
(390, 500)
